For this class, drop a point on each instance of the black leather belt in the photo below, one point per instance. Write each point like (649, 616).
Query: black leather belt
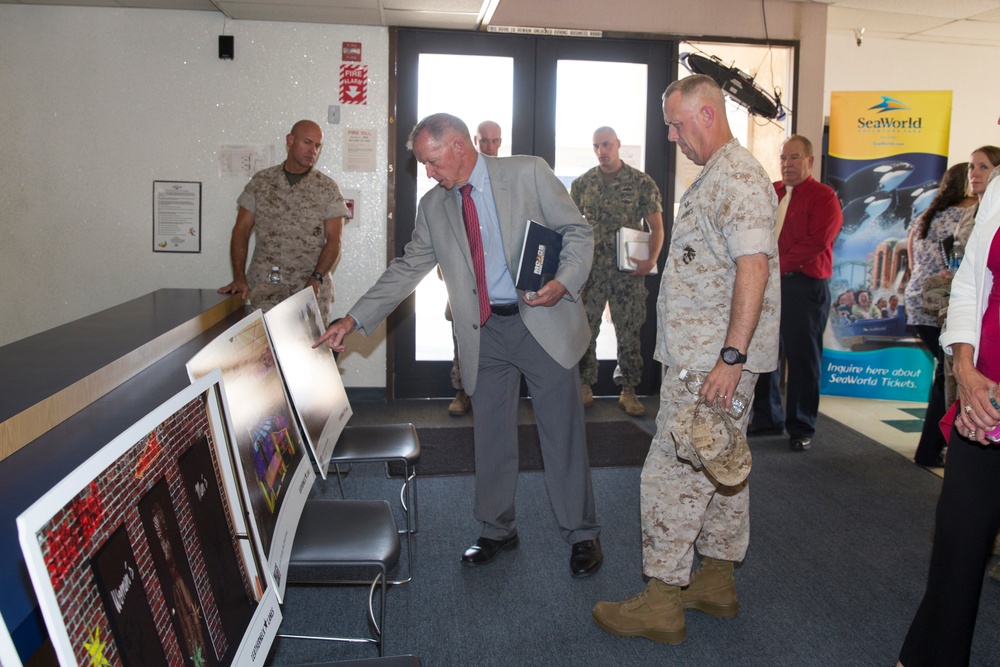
(504, 309)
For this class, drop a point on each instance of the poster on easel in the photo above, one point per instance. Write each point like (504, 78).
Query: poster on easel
(311, 374)
(887, 153)
(8, 653)
(275, 473)
(124, 567)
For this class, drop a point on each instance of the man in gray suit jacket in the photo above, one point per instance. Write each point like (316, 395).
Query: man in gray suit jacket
(540, 335)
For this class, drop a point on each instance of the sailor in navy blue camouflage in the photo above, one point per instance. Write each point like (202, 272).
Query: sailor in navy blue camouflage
(613, 195)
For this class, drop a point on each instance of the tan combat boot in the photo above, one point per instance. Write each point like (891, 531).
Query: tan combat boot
(588, 395)
(630, 403)
(655, 614)
(460, 404)
(712, 589)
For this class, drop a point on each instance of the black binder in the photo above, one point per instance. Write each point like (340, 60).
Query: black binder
(539, 257)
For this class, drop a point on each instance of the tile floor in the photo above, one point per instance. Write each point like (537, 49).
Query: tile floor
(894, 424)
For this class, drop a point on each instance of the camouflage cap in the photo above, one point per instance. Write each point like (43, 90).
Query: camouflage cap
(720, 444)
(935, 294)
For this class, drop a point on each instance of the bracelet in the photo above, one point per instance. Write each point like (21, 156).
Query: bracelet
(316, 275)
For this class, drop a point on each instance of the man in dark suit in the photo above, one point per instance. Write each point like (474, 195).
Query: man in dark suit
(540, 335)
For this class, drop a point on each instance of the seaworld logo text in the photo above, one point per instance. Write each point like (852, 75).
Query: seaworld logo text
(889, 104)
(888, 123)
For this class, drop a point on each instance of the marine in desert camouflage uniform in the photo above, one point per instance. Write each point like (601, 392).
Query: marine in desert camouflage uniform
(720, 288)
(613, 195)
(298, 215)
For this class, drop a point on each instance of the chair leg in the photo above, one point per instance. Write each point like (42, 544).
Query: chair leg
(409, 560)
(340, 481)
(377, 625)
(408, 491)
(408, 499)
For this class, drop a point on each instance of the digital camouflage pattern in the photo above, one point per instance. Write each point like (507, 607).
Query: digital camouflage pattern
(682, 507)
(727, 212)
(288, 224)
(624, 202)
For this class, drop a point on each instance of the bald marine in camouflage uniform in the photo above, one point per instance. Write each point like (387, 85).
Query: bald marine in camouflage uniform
(613, 195)
(298, 215)
(717, 312)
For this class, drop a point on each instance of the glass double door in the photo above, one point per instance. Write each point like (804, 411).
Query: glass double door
(548, 95)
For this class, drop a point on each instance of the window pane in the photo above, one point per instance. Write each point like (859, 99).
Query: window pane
(578, 114)
(621, 105)
(474, 88)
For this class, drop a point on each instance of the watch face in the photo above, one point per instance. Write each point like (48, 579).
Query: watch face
(732, 356)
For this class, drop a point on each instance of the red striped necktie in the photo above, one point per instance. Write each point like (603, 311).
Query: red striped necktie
(471, 219)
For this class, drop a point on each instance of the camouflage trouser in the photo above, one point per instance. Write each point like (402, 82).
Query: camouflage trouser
(626, 297)
(681, 508)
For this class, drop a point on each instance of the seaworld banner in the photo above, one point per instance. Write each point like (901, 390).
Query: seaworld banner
(887, 153)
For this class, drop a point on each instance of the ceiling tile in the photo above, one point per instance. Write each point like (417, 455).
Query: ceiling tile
(75, 3)
(993, 16)
(456, 21)
(443, 6)
(965, 29)
(954, 9)
(293, 5)
(938, 39)
(198, 5)
(848, 19)
(300, 13)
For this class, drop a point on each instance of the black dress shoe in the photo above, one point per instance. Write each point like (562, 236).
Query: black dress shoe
(485, 550)
(586, 558)
(799, 444)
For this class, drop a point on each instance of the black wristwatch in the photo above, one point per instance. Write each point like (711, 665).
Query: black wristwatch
(732, 356)
(318, 276)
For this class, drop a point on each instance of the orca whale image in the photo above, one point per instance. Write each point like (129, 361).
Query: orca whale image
(881, 177)
(908, 204)
(864, 209)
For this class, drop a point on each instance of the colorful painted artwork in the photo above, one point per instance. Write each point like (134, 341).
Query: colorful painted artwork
(275, 474)
(118, 557)
(171, 560)
(311, 375)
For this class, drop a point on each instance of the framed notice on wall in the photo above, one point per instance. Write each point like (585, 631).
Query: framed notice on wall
(176, 216)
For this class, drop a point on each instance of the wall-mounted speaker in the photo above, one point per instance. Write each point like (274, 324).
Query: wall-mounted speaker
(226, 47)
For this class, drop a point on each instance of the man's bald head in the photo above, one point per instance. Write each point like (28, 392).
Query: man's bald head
(488, 138)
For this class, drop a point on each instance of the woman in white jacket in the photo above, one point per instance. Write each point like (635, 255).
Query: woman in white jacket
(968, 510)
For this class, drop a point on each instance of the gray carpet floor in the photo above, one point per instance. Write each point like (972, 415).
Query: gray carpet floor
(840, 540)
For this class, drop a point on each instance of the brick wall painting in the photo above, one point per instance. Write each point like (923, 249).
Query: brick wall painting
(118, 560)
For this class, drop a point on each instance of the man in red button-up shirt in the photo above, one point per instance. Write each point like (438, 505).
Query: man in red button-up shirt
(812, 219)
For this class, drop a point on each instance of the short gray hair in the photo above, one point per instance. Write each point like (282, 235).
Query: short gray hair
(438, 125)
(696, 85)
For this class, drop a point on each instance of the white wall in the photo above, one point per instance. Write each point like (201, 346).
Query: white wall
(99, 103)
(96, 104)
(881, 64)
